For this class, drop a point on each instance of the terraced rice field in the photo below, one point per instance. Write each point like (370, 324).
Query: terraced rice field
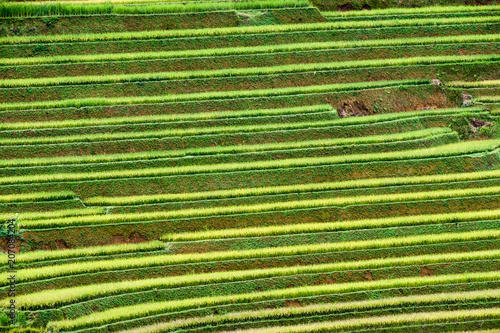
(250, 166)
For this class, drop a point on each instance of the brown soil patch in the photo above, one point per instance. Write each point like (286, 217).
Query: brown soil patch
(4, 243)
(136, 237)
(293, 304)
(117, 239)
(368, 276)
(426, 271)
(61, 244)
(353, 109)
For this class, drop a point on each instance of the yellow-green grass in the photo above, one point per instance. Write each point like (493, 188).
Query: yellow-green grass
(334, 226)
(412, 11)
(33, 274)
(456, 149)
(15, 40)
(384, 321)
(322, 309)
(218, 52)
(33, 216)
(35, 256)
(474, 84)
(166, 118)
(258, 208)
(150, 309)
(57, 297)
(40, 196)
(43, 9)
(86, 159)
(193, 131)
(249, 71)
(81, 102)
(488, 99)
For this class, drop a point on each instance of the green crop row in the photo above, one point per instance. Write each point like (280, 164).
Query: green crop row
(474, 84)
(198, 131)
(334, 226)
(33, 274)
(455, 149)
(30, 257)
(149, 309)
(166, 118)
(35, 216)
(245, 30)
(80, 102)
(321, 309)
(217, 52)
(249, 71)
(154, 155)
(57, 297)
(488, 99)
(34, 197)
(259, 208)
(12, 9)
(372, 323)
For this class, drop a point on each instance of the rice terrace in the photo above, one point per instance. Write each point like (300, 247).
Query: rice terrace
(250, 166)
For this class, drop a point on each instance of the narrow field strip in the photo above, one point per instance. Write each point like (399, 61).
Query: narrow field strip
(149, 309)
(250, 71)
(35, 216)
(110, 158)
(58, 297)
(455, 149)
(474, 84)
(81, 102)
(383, 321)
(411, 11)
(259, 208)
(301, 188)
(35, 256)
(197, 131)
(218, 52)
(37, 9)
(16, 40)
(321, 309)
(33, 274)
(36, 197)
(304, 228)
(166, 118)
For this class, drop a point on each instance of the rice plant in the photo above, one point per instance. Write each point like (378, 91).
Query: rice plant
(103, 250)
(160, 34)
(34, 274)
(37, 9)
(150, 309)
(455, 149)
(218, 52)
(334, 226)
(81, 102)
(250, 71)
(39, 196)
(321, 309)
(44, 161)
(58, 297)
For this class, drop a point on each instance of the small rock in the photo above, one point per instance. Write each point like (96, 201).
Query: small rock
(436, 82)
